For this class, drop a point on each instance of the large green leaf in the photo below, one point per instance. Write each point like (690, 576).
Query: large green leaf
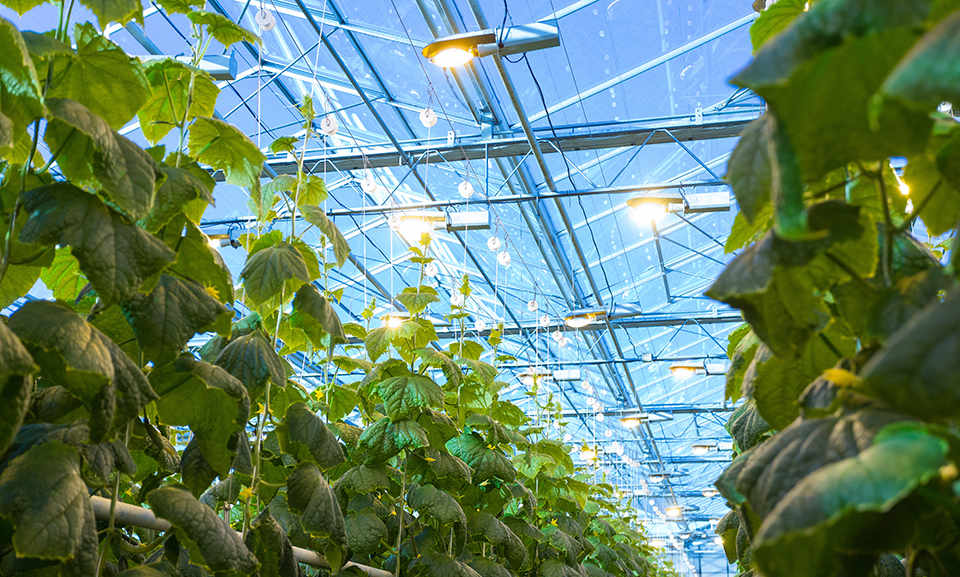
(378, 341)
(119, 11)
(746, 426)
(313, 313)
(186, 190)
(73, 353)
(778, 381)
(225, 148)
(499, 535)
(776, 282)
(318, 218)
(63, 276)
(6, 136)
(252, 359)
(928, 74)
(916, 371)
(748, 170)
(100, 76)
(728, 527)
(778, 302)
(306, 436)
(821, 72)
(743, 344)
(547, 455)
(486, 462)
(114, 254)
(774, 20)
(226, 31)
(384, 439)
(362, 480)
(207, 399)
(222, 548)
(271, 546)
(174, 311)
(309, 493)
(417, 299)
(270, 270)
(436, 505)
(20, 93)
(366, 533)
(934, 193)
(839, 507)
(406, 396)
(197, 261)
(196, 472)
(91, 153)
(432, 563)
(166, 107)
(43, 495)
(16, 368)
(765, 474)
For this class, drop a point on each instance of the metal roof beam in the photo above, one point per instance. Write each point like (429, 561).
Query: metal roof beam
(516, 144)
(641, 321)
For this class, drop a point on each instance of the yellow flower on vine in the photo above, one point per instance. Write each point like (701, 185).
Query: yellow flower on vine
(246, 493)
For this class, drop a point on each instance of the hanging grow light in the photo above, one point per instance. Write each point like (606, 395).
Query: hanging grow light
(702, 448)
(584, 317)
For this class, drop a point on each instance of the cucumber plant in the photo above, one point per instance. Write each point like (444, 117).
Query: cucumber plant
(419, 467)
(846, 437)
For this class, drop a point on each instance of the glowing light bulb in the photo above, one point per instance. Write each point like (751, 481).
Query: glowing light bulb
(556, 336)
(533, 305)
(456, 300)
(428, 118)
(412, 229)
(493, 243)
(710, 492)
(504, 259)
(545, 320)
(480, 325)
(578, 322)
(465, 189)
(431, 270)
(631, 422)
(601, 418)
(265, 20)
(647, 212)
(674, 511)
(567, 438)
(329, 125)
(452, 57)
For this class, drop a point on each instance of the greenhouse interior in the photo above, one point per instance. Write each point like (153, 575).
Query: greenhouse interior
(480, 288)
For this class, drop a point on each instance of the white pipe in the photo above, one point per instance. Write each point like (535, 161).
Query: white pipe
(126, 514)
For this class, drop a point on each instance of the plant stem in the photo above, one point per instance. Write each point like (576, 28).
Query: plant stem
(258, 443)
(111, 523)
(887, 232)
(403, 496)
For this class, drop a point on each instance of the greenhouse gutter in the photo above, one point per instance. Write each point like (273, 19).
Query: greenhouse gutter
(131, 515)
